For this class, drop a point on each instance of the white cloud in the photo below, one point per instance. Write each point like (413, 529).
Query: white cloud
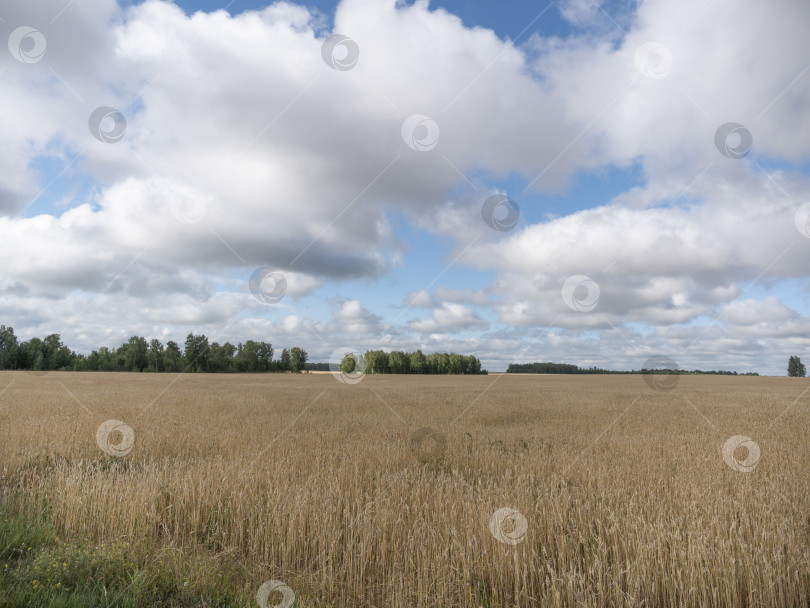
(449, 317)
(655, 265)
(473, 297)
(420, 299)
(353, 318)
(751, 312)
(244, 149)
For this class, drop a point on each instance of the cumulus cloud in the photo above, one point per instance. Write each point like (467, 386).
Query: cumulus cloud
(244, 149)
(655, 265)
(420, 299)
(353, 318)
(449, 317)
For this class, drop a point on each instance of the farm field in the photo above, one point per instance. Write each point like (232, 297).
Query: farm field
(402, 491)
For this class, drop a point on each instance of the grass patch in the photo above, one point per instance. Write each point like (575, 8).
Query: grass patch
(38, 568)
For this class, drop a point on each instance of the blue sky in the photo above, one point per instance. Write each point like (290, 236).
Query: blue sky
(513, 19)
(639, 232)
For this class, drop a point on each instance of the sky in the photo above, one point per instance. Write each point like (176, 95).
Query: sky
(581, 181)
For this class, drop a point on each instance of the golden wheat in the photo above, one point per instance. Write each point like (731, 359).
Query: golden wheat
(334, 490)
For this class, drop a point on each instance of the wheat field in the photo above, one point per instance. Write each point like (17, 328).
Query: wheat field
(403, 491)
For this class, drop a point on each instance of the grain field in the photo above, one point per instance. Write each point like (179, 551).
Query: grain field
(407, 491)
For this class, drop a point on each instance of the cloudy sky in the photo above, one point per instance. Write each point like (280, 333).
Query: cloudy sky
(580, 181)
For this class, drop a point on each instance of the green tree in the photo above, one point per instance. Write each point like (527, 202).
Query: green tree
(8, 348)
(155, 356)
(136, 358)
(217, 361)
(120, 358)
(248, 357)
(264, 351)
(92, 362)
(298, 358)
(106, 359)
(172, 357)
(31, 355)
(418, 362)
(285, 363)
(796, 368)
(349, 363)
(398, 362)
(198, 352)
(376, 362)
(79, 363)
(222, 357)
(57, 355)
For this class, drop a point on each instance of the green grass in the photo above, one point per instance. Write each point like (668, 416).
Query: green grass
(38, 568)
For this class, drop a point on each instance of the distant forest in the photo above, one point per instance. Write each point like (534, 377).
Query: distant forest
(199, 355)
(569, 368)
(399, 362)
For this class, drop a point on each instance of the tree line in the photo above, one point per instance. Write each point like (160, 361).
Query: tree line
(198, 354)
(552, 368)
(570, 368)
(141, 355)
(400, 362)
